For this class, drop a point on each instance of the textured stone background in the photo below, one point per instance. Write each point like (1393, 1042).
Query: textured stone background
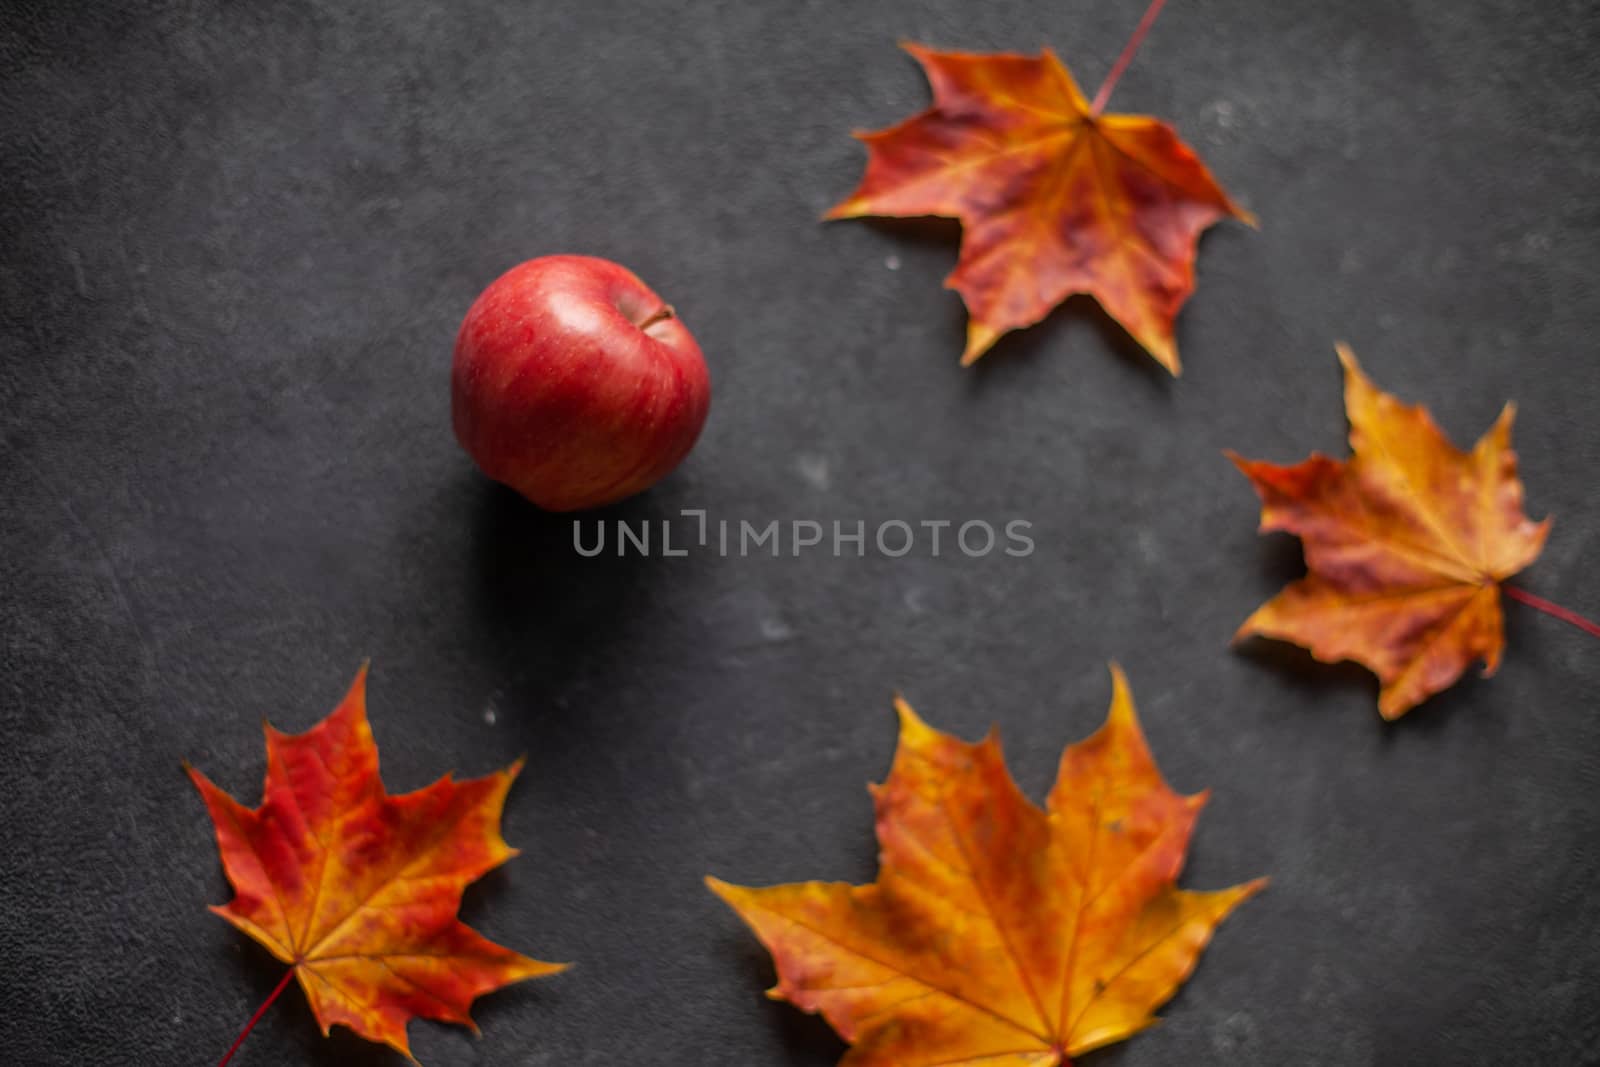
(235, 243)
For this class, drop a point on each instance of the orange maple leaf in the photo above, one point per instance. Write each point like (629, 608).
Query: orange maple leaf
(358, 890)
(1406, 544)
(997, 934)
(1054, 198)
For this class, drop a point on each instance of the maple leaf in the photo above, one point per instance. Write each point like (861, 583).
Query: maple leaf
(1406, 544)
(1054, 198)
(997, 934)
(358, 890)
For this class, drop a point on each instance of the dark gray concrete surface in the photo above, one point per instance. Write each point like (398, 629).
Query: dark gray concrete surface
(236, 241)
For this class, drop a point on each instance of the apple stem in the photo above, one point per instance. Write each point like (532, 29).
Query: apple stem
(661, 314)
(1539, 603)
(1102, 97)
(251, 1025)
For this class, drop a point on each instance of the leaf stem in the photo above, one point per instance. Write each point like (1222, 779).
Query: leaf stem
(1539, 603)
(1102, 97)
(251, 1025)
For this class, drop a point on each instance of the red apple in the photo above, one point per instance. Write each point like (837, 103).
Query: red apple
(575, 384)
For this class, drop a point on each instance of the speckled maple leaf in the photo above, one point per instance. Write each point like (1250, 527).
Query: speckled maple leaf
(1054, 197)
(1406, 542)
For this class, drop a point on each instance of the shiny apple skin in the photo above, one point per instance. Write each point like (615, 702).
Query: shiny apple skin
(557, 392)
